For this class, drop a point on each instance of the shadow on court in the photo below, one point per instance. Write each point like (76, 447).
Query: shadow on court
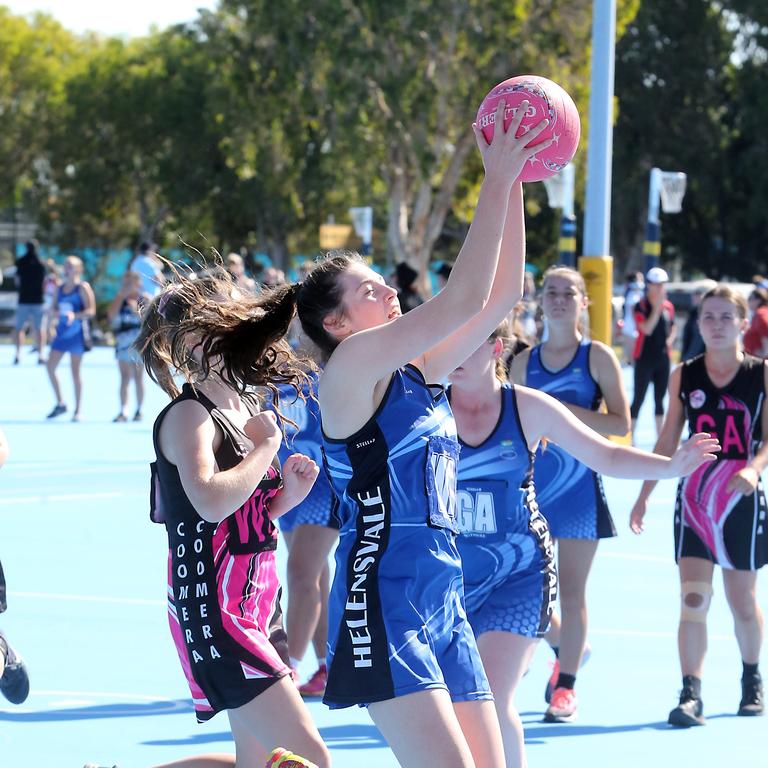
(537, 732)
(353, 736)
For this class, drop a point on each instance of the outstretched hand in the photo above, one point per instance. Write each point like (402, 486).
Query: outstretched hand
(506, 155)
(700, 449)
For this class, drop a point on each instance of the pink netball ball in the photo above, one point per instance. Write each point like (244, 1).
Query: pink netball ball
(546, 99)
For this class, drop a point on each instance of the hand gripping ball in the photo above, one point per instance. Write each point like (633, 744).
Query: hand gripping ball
(546, 100)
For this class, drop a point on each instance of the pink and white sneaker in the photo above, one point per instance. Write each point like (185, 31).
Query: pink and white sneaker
(315, 686)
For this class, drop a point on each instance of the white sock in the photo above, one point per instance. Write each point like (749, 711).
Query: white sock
(294, 662)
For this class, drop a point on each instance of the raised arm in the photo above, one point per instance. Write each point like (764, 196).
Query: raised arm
(187, 436)
(371, 355)
(506, 291)
(544, 417)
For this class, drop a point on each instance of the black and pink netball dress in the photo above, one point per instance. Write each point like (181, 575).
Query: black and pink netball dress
(223, 590)
(711, 521)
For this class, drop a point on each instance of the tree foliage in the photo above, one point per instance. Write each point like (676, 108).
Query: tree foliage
(254, 123)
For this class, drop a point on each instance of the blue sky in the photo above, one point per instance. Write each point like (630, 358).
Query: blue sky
(112, 18)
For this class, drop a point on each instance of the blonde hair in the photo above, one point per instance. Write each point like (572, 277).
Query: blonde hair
(502, 331)
(568, 273)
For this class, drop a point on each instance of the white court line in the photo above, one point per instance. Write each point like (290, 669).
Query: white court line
(87, 598)
(67, 497)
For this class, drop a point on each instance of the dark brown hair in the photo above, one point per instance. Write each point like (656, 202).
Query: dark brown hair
(320, 296)
(724, 291)
(245, 333)
(761, 294)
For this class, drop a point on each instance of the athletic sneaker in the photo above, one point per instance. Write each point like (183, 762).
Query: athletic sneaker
(14, 684)
(552, 682)
(282, 758)
(57, 411)
(752, 703)
(689, 712)
(315, 686)
(562, 707)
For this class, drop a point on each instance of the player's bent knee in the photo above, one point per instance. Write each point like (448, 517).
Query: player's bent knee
(696, 597)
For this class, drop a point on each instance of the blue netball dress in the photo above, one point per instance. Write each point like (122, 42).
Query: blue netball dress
(305, 437)
(396, 616)
(69, 338)
(510, 582)
(570, 495)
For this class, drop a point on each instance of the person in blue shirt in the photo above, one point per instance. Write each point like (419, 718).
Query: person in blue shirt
(510, 582)
(583, 375)
(398, 637)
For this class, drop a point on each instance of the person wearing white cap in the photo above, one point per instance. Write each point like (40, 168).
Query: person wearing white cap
(655, 321)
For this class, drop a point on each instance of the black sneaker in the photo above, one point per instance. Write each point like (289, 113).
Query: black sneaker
(752, 704)
(14, 684)
(57, 411)
(689, 712)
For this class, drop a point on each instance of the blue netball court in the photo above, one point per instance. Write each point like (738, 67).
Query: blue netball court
(86, 609)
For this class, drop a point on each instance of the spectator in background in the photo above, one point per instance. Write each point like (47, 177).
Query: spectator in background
(272, 277)
(527, 308)
(655, 321)
(124, 314)
(236, 268)
(74, 305)
(147, 264)
(30, 273)
(407, 294)
(756, 336)
(693, 344)
(634, 290)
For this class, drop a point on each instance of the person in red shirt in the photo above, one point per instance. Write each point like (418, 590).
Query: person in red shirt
(756, 336)
(655, 322)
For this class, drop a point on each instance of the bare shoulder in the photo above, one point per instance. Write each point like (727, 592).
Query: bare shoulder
(603, 351)
(603, 359)
(519, 365)
(185, 425)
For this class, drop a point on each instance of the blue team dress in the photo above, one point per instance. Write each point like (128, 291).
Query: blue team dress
(396, 616)
(69, 338)
(305, 437)
(570, 495)
(510, 582)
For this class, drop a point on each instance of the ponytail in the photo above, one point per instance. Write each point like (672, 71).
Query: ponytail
(195, 325)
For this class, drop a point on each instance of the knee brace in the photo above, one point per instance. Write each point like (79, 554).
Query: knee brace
(696, 597)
